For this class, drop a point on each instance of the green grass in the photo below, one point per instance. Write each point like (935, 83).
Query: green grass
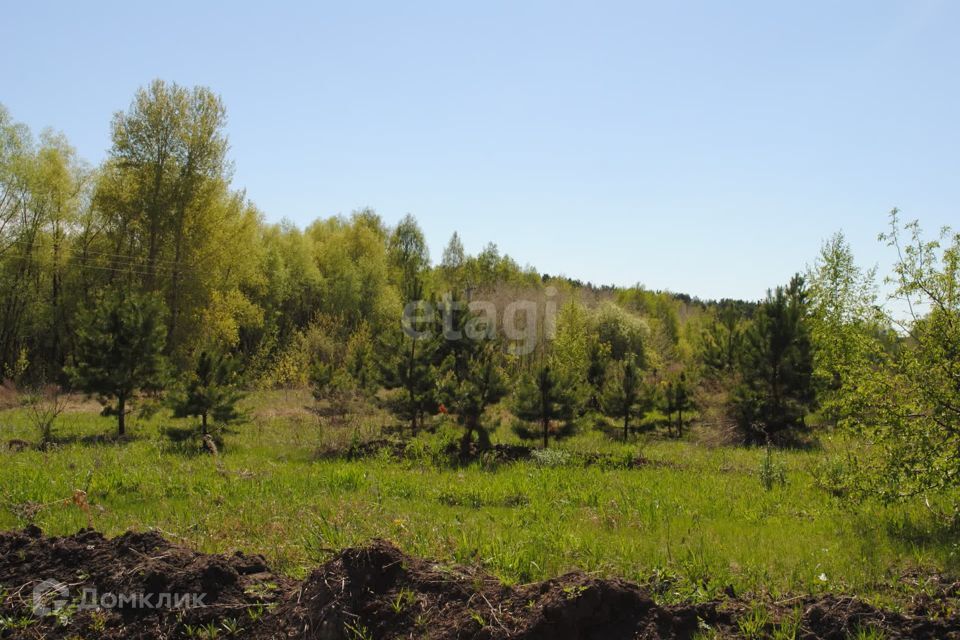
(691, 525)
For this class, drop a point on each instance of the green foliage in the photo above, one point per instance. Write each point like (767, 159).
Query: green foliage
(539, 398)
(776, 390)
(409, 258)
(907, 399)
(598, 359)
(341, 370)
(359, 275)
(359, 358)
(702, 510)
(622, 395)
(468, 389)
(409, 371)
(623, 333)
(45, 405)
(772, 472)
(210, 392)
(753, 626)
(570, 353)
(489, 268)
(43, 191)
(160, 220)
(336, 391)
(845, 323)
(104, 271)
(866, 632)
(677, 398)
(452, 263)
(721, 341)
(119, 344)
(166, 187)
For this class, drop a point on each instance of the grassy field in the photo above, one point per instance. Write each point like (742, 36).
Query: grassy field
(693, 522)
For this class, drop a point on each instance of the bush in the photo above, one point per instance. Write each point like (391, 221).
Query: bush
(44, 406)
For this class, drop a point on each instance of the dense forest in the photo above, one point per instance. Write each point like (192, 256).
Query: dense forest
(152, 275)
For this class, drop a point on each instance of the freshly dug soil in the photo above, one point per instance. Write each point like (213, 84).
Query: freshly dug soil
(378, 592)
(132, 564)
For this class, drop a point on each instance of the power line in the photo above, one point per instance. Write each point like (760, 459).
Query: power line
(162, 262)
(129, 261)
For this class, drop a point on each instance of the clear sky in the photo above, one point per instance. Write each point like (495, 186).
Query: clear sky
(703, 147)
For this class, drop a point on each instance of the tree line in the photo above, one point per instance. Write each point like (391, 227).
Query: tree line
(153, 274)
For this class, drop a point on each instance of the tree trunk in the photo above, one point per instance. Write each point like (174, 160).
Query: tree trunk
(545, 409)
(483, 438)
(203, 423)
(175, 284)
(55, 350)
(121, 415)
(626, 425)
(679, 423)
(410, 388)
(154, 214)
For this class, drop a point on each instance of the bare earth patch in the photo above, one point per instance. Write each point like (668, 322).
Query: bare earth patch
(376, 591)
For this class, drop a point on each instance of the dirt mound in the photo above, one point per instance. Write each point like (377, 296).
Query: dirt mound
(379, 592)
(372, 592)
(128, 574)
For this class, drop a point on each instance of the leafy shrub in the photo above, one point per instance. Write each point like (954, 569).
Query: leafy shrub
(833, 475)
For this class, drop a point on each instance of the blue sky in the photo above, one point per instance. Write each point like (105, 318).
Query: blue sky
(703, 147)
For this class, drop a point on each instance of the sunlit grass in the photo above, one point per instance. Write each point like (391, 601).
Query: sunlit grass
(693, 521)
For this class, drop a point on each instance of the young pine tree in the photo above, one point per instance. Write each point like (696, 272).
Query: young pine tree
(412, 376)
(468, 395)
(598, 355)
(776, 366)
(539, 398)
(622, 393)
(118, 349)
(721, 341)
(336, 391)
(470, 372)
(408, 369)
(210, 392)
(677, 399)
